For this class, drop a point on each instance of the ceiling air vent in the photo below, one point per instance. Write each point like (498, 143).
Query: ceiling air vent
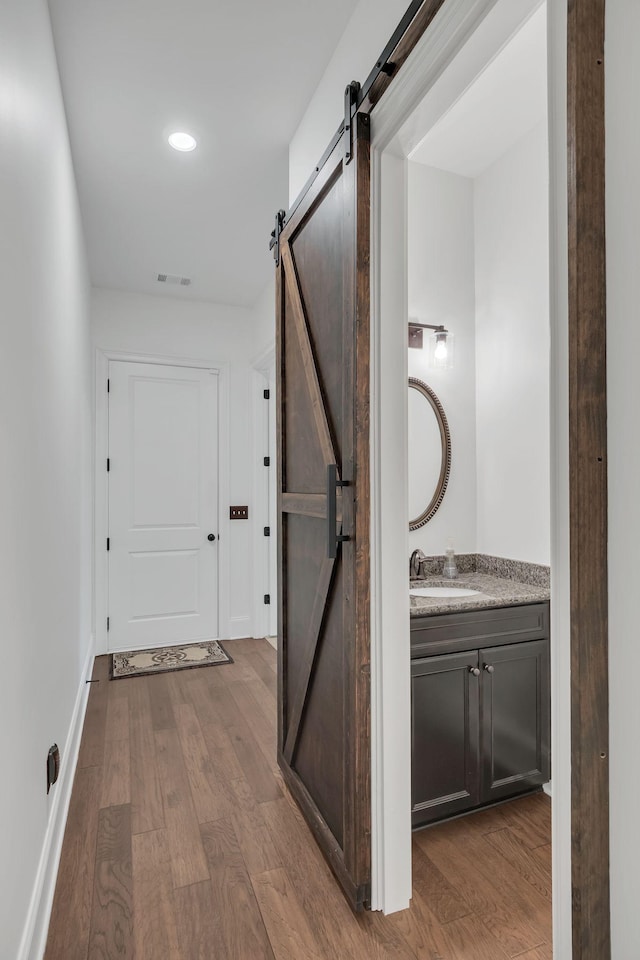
(174, 279)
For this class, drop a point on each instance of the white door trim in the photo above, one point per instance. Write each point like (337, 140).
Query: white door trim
(390, 715)
(101, 511)
(262, 365)
(560, 539)
(260, 548)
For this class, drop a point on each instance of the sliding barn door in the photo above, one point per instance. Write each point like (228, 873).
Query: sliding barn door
(323, 435)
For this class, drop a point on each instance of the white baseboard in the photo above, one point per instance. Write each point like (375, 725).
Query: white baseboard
(273, 641)
(547, 788)
(34, 937)
(239, 627)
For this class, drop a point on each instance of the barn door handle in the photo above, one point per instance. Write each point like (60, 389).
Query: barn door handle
(333, 539)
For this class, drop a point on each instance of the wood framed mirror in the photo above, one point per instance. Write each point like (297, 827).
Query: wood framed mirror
(429, 453)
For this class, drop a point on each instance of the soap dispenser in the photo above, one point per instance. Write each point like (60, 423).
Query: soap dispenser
(450, 570)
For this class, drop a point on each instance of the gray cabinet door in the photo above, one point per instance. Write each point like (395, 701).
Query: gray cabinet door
(514, 718)
(445, 736)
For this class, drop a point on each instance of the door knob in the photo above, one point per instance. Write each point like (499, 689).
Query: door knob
(488, 667)
(211, 537)
(475, 671)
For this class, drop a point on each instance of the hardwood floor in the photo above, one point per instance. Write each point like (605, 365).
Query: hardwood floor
(183, 844)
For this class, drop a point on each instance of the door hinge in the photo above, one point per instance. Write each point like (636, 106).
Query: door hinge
(274, 242)
(107, 624)
(350, 107)
(108, 543)
(267, 598)
(266, 394)
(108, 386)
(267, 531)
(108, 464)
(267, 461)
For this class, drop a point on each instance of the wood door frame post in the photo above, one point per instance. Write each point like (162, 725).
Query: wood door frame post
(588, 481)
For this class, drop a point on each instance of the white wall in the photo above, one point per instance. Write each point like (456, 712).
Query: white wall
(367, 33)
(45, 472)
(623, 350)
(512, 352)
(441, 289)
(171, 328)
(478, 263)
(264, 320)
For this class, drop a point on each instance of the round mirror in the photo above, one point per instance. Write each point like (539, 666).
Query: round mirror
(429, 453)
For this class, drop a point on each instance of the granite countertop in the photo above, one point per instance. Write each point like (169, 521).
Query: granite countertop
(493, 592)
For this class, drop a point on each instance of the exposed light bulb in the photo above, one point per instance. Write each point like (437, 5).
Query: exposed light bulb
(183, 142)
(441, 349)
(440, 352)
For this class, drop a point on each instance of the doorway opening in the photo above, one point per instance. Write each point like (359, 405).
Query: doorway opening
(460, 201)
(479, 437)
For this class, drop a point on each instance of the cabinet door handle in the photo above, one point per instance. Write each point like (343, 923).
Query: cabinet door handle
(489, 667)
(475, 671)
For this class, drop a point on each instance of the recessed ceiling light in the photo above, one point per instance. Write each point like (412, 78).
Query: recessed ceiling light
(183, 141)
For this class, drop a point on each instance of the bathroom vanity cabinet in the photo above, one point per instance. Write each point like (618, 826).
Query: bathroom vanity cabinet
(480, 708)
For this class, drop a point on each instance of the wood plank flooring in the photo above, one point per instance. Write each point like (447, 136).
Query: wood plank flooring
(182, 843)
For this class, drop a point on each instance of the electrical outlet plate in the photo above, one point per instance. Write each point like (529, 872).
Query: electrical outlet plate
(238, 513)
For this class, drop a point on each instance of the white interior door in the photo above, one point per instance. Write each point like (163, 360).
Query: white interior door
(163, 505)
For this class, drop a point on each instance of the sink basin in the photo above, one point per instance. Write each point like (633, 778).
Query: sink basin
(442, 592)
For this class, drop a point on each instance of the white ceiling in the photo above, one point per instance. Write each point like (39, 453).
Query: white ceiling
(497, 108)
(235, 74)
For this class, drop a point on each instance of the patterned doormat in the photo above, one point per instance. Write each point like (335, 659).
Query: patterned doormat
(142, 663)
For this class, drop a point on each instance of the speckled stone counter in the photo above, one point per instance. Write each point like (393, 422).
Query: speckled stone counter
(493, 592)
(500, 567)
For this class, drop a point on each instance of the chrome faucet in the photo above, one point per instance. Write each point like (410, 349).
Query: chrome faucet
(417, 558)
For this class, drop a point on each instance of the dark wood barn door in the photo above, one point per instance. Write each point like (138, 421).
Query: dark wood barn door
(323, 436)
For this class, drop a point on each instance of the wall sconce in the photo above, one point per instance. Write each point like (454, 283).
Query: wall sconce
(440, 344)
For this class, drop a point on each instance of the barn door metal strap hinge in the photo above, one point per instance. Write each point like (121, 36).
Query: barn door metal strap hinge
(274, 243)
(350, 107)
(108, 543)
